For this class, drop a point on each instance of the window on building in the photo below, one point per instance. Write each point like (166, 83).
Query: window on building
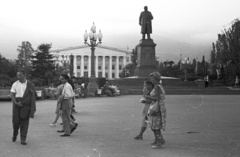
(113, 59)
(106, 75)
(99, 74)
(120, 67)
(85, 58)
(78, 58)
(113, 67)
(113, 75)
(127, 59)
(78, 67)
(106, 67)
(107, 59)
(85, 67)
(78, 74)
(99, 67)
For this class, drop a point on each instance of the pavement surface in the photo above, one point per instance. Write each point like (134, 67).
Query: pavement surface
(197, 126)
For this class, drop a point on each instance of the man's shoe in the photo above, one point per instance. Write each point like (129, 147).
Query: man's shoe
(14, 138)
(60, 131)
(23, 142)
(74, 128)
(64, 135)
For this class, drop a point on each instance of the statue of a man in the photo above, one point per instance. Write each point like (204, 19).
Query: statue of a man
(145, 20)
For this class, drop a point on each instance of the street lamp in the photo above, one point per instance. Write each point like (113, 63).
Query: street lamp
(185, 62)
(92, 85)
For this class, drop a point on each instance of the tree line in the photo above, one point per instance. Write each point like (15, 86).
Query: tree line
(38, 65)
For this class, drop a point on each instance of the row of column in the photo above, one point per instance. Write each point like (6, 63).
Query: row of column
(96, 66)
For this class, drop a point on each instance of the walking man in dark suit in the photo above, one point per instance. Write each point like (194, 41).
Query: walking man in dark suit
(24, 105)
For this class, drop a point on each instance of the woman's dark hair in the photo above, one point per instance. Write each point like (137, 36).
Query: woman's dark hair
(149, 83)
(65, 76)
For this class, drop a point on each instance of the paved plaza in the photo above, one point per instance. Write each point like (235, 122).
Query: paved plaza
(197, 126)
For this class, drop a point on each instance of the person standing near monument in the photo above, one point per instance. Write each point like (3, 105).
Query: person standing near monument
(147, 88)
(145, 21)
(157, 110)
(236, 81)
(23, 96)
(206, 79)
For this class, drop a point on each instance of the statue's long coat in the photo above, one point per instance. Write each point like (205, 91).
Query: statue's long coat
(145, 20)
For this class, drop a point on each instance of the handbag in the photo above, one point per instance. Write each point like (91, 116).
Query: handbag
(154, 109)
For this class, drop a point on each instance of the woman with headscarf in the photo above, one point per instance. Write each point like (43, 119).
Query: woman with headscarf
(157, 119)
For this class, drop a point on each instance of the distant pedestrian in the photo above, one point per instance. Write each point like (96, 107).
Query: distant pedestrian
(147, 88)
(23, 96)
(58, 93)
(237, 82)
(206, 80)
(157, 110)
(66, 106)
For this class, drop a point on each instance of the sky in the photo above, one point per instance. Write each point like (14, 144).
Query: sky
(186, 27)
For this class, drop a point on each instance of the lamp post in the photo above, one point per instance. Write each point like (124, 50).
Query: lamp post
(71, 65)
(92, 85)
(185, 62)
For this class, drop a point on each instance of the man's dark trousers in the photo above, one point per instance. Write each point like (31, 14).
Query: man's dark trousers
(19, 123)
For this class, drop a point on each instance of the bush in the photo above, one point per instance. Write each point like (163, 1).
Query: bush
(190, 77)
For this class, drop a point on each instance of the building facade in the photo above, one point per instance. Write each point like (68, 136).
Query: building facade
(109, 62)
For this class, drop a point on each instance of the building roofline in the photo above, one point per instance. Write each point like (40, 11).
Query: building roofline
(84, 46)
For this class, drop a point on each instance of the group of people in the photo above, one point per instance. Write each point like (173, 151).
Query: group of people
(110, 89)
(154, 111)
(24, 107)
(23, 95)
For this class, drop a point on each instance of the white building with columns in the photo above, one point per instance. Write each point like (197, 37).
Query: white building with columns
(109, 62)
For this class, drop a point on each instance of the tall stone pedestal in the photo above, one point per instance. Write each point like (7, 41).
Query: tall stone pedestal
(146, 59)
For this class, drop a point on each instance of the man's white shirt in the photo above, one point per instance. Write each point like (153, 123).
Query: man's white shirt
(19, 88)
(68, 92)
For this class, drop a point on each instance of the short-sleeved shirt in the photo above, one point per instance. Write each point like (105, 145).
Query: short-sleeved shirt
(67, 91)
(19, 88)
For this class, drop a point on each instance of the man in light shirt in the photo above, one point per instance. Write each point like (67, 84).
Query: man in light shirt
(23, 96)
(66, 106)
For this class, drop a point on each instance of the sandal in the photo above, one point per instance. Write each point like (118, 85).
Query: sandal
(138, 137)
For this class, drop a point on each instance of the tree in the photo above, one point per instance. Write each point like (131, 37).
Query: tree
(24, 56)
(43, 63)
(225, 55)
(7, 71)
(129, 69)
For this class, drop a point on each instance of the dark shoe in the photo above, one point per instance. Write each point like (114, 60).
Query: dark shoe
(59, 131)
(64, 135)
(14, 138)
(162, 141)
(154, 142)
(23, 142)
(74, 128)
(138, 137)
